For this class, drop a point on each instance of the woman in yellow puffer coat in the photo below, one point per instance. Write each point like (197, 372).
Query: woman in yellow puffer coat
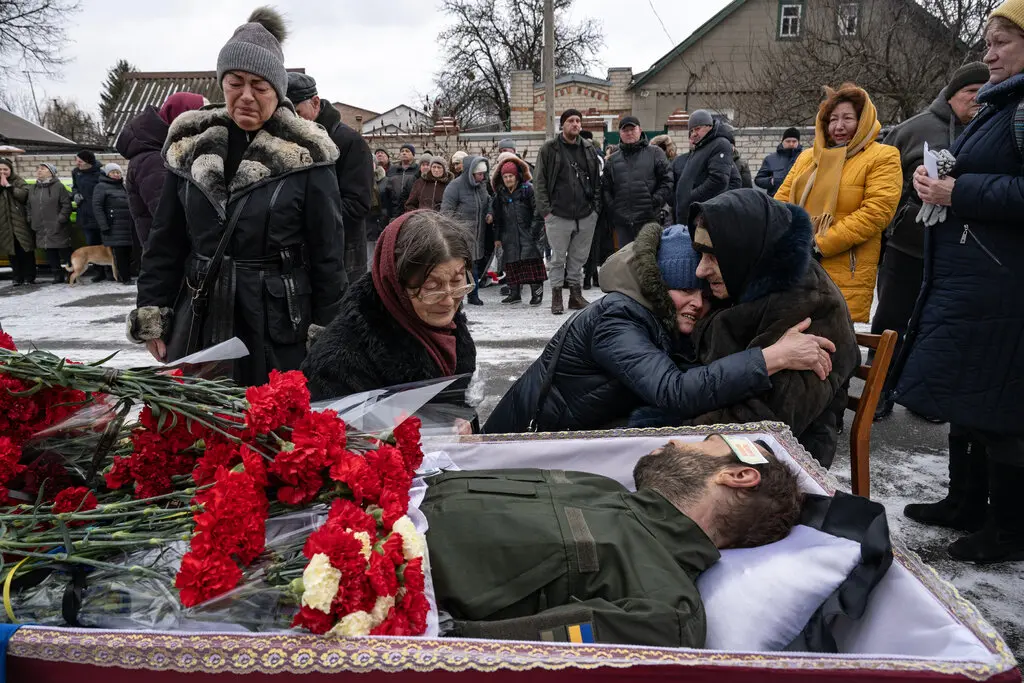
(850, 184)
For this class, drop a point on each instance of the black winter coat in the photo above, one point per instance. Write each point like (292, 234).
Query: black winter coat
(141, 142)
(763, 248)
(83, 183)
(705, 172)
(775, 168)
(283, 268)
(398, 186)
(964, 357)
(110, 207)
(354, 170)
(516, 223)
(637, 183)
(365, 348)
(622, 352)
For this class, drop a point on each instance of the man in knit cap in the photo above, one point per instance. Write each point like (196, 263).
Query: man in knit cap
(84, 177)
(354, 167)
(401, 176)
(776, 166)
(902, 269)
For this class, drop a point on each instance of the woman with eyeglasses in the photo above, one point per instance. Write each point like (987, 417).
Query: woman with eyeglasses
(402, 321)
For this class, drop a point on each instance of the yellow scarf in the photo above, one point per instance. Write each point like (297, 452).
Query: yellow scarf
(817, 188)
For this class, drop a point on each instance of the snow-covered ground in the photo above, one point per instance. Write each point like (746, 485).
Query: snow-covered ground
(908, 459)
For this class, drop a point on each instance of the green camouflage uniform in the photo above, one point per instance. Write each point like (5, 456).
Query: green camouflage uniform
(564, 556)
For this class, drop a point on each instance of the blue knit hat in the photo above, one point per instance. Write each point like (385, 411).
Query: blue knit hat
(677, 259)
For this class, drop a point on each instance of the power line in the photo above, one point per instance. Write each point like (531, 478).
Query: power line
(658, 16)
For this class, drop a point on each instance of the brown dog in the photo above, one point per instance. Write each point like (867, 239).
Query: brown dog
(84, 256)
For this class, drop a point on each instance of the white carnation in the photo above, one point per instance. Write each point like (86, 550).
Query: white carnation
(413, 544)
(320, 582)
(364, 538)
(381, 609)
(355, 624)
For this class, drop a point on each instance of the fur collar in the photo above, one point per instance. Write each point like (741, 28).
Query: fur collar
(197, 147)
(645, 266)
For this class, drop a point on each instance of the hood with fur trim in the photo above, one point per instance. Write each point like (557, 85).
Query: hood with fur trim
(762, 245)
(633, 271)
(197, 147)
(524, 170)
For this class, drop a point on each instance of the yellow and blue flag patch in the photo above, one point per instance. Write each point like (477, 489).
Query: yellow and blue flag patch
(571, 633)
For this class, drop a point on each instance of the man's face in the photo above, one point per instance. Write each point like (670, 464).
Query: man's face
(309, 109)
(965, 103)
(382, 158)
(82, 166)
(790, 143)
(406, 156)
(572, 127)
(698, 133)
(630, 134)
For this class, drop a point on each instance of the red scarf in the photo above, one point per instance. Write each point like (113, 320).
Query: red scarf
(439, 342)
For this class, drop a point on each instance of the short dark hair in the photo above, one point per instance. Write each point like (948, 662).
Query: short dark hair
(428, 239)
(761, 514)
(87, 156)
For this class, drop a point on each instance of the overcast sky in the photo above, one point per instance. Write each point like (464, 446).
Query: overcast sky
(365, 53)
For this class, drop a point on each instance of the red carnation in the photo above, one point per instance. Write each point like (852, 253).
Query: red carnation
(6, 342)
(416, 607)
(234, 517)
(282, 402)
(119, 474)
(323, 429)
(255, 466)
(348, 515)
(10, 454)
(301, 470)
(382, 574)
(355, 472)
(219, 452)
(407, 436)
(203, 578)
(313, 620)
(78, 499)
(412, 576)
(397, 624)
(336, 543)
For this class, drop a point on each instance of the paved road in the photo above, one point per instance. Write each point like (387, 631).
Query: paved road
(908, 454)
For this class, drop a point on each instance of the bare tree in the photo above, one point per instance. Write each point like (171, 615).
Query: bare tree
(489, 39)
(21, 103)
(66, 118)
(902, 52)
(32, 32)
(113, 88)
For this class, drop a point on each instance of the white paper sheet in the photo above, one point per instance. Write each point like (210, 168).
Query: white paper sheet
(229, 350)
(931, 162)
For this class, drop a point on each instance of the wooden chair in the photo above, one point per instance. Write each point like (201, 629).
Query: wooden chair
(864, 407)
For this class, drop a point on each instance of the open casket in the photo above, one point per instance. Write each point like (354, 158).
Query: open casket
(916, 626)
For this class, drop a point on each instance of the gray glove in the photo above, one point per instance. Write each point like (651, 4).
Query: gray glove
(312, 334)
(931, 214)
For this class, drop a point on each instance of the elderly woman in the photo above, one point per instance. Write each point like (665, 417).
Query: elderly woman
(631, 348)
(850, 185)
(16, 238)
(402, 321)
(247, 239)
(964, 360)
(517, 229)
(50, 209)
(111, 209)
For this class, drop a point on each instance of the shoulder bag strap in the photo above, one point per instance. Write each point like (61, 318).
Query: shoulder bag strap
(549, 371)
(201, 292)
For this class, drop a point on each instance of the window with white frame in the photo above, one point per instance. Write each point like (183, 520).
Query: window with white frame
(790, 19)
(849, 18)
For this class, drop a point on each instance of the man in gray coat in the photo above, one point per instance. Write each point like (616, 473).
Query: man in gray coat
(902, 269)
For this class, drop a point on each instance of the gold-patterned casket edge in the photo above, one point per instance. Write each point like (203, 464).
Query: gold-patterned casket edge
(303, 653)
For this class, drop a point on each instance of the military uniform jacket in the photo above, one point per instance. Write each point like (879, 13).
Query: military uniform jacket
(564, 556)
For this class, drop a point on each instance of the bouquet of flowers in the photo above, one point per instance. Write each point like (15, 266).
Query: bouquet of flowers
(186, 490)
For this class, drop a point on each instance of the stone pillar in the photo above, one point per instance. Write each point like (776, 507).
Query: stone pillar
(678, 125)
(620, 100)
(522, 101)
(446, 126)
(593, 122)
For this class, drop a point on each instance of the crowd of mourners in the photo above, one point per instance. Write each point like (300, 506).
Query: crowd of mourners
(728, 296)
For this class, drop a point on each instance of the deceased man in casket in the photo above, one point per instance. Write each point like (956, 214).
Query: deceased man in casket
(552, 555)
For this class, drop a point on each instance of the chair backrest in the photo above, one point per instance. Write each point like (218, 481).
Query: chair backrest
(864, 407)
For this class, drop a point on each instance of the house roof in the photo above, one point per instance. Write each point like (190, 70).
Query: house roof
(682, 47)
(20, 132)
(411, 108)
(145, 88)
(565, 79)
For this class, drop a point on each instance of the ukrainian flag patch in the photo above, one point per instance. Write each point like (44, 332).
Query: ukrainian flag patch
(571, 633)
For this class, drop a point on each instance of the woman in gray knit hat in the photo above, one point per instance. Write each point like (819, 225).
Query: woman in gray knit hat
(247, 241)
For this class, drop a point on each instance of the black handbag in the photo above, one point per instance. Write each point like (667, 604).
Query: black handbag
(185, 336)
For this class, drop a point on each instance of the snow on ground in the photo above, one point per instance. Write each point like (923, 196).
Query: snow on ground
(908, 458)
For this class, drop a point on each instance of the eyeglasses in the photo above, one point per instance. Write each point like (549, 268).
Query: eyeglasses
(456, 293)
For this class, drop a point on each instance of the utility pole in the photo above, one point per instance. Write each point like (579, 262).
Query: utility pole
(549, 68)
(35, 102)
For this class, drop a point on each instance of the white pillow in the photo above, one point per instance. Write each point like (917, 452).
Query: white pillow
(760, 599)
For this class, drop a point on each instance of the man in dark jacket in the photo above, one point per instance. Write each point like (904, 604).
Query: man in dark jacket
(401, 176)
(756, 255)
(637, 182)
(572, 557)
(568, 184)
(354, 168)
(631, 348)
(705, 172)
(84, 178)
(775, 167)
(902, 269)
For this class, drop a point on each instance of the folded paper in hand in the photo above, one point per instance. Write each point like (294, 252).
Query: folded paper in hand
(931, 162)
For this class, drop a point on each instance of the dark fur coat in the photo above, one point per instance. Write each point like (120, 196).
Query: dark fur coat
(365, 348)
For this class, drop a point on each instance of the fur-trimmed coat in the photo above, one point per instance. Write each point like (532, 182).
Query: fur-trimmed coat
(516, 223)
(366, 348)
(623, 351)
(763, 248)
(284, 261)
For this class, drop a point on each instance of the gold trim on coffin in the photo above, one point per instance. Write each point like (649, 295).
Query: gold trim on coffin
(288, 653)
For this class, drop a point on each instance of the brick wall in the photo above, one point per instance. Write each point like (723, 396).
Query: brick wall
(26, 164)
(522, 93)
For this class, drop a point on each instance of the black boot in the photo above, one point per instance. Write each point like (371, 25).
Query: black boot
(1002, 537)
(474, 299)
(965, 505)
(586, 281)
(885, 406)
(536, 294)
(514, 295)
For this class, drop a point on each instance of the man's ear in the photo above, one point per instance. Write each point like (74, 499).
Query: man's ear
(739, 477)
